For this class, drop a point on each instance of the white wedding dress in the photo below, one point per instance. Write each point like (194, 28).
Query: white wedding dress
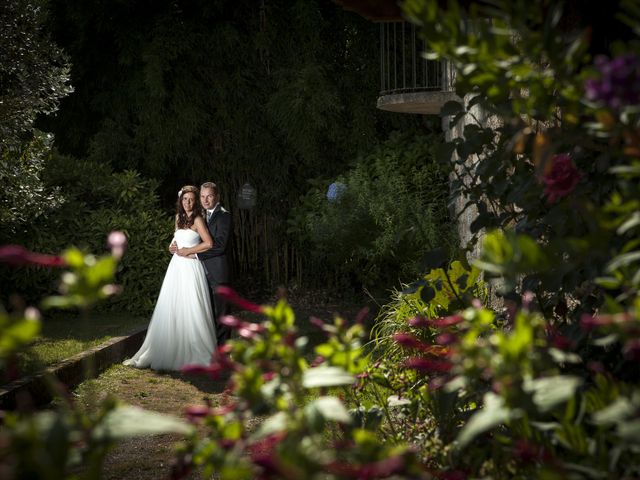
(181, 330)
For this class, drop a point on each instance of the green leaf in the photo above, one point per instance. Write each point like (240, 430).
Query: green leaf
(617, 412)
(630, 430)
(493, 413)
(623, 260)
(330, 408)
(326, 377)
(396, 401)
(451, 108)
(128, 421)
(273, 424)
(630, 223)
(551, 391)
(427, 294)
(560, 356)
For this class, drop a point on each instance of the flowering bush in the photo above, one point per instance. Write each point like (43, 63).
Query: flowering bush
(61, 441)
(304, 431)
(561, 177)
(374, 225)
(618, 85)
(547, 388)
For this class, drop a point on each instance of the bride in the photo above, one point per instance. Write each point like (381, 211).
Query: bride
(181, 330)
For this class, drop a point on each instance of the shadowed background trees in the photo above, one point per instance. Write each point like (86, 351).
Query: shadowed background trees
(276, 93)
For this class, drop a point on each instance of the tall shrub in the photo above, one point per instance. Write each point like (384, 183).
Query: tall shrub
(380, 218)
(96, 201)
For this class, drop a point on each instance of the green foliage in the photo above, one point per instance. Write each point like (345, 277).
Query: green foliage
(95, 202)
(305, 432)
(16, 332)
(34, 76)
(34, 72)
(528, 67)
(273, 93)
(392, 212)
(60, 442)
(438, 293)
(24, 194)
(546, 388)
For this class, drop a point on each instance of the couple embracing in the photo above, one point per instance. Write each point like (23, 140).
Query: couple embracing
(184, 329)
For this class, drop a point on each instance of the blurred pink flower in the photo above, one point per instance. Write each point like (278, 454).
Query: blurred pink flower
(230, 295)
(223, 409)
(117, 243)
(446, 339)
(212, 370)
(428, 365)
(561, 178)
(17, 256)
(317, 361)
(362, 314)
(230, 321)
(381, 469)
(418, 321)
(195, 413)
(632, 349)
(446, 321)
(407, 340)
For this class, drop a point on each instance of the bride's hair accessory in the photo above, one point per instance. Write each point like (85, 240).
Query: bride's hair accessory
(180, 193)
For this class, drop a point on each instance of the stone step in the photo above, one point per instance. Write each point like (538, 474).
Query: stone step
(34, 390)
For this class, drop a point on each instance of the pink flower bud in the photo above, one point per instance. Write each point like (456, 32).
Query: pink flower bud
(419, 321)
(428, 365)
(117, 243)
(231, 296)
(16, 255)
(446, 321)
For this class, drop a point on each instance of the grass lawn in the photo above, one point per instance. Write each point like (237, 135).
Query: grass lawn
(65, 335)
(150, 457)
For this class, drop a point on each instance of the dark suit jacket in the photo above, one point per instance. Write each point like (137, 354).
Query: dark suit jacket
(215, 259)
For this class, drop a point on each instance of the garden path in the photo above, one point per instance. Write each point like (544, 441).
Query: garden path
(171, 392)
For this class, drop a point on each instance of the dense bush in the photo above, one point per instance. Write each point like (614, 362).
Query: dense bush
(96, 201)
(547, 388)
(378, 220)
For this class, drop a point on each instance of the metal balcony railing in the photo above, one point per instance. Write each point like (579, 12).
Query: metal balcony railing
(403, 69)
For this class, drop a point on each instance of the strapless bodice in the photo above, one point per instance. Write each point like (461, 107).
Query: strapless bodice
(185, 237)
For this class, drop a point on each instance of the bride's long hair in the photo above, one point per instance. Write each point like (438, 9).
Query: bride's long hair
(182, 219)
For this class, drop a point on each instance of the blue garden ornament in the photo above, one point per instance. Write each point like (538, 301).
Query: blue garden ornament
(335, 191)
(247, 197)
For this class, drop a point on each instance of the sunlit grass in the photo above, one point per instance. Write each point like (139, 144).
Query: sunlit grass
(66, 335)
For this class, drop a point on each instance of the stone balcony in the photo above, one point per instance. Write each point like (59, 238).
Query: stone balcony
(409, 83)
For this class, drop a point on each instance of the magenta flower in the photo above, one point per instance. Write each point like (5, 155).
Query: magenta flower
(17, 256)
(589, 322)
(561, 179)
(195, 413)
(631, 349)
(619, 81)
(407, 340)
(419, 321)
(223, 409)
(317, 361)
(427, 365)
(212, 370)
(446, 339)
(230, 295)
(381, 469)
(362, 314)
(446, 321)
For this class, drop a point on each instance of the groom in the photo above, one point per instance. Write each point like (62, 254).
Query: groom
(214, 260)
